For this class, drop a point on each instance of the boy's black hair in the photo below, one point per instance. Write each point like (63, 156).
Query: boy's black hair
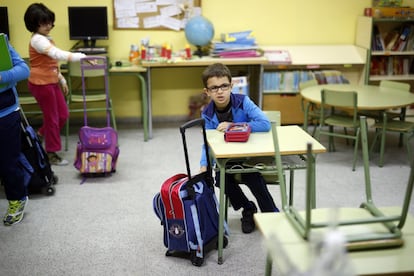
(36, 15)
(218, 70)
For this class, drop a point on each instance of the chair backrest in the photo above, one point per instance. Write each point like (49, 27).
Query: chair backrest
(74, 69)
(342, 99)
(339, 98)
(273, 116)
(395, 84)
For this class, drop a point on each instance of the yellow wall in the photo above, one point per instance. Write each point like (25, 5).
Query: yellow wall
(274, 22)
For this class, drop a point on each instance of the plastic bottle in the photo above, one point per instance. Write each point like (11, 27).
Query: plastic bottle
(143, 53)
(134, 54)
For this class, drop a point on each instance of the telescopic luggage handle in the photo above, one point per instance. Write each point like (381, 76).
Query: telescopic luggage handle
(197, 122)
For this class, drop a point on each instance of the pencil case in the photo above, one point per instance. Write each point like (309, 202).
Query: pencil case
(237, 132)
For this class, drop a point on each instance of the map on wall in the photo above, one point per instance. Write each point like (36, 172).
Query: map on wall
(154, 14)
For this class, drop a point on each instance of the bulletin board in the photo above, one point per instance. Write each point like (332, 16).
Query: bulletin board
(154, 14)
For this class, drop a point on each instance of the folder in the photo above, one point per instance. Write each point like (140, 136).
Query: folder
(5, 59)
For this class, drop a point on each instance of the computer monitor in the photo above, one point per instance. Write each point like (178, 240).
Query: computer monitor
(4, 21)
(88, 24)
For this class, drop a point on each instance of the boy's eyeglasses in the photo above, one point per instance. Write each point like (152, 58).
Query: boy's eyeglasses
(223, 87)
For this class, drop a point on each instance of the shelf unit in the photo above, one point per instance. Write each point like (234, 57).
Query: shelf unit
(350, 60)
(386, 63)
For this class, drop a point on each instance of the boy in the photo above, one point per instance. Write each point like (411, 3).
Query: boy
(11, 172)
(223, 109)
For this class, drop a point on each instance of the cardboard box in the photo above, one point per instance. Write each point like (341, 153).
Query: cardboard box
(380, 12)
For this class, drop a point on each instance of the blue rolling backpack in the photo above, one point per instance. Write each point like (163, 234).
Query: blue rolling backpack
(188, 210)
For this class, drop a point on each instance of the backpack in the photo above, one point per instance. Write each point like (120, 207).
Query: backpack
(97, 150)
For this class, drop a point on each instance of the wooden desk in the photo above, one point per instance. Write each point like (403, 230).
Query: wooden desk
(395, 261)
(254, 67)
(293, 140)
(370, 97)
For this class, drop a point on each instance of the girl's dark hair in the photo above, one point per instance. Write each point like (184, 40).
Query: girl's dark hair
(36, 15)
(215, 70)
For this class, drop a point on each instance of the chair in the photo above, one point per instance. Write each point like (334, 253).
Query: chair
(391, 114)
(387, 236)
(266, 166)
(311, 110)
(26, 99)
(338, 104)
(405, 128)
(377, 115)
(95, 98)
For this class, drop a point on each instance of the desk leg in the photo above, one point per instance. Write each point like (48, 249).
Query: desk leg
(221, 165)
(144, 106)
(144, 97)
(149, 102)
(269, 263)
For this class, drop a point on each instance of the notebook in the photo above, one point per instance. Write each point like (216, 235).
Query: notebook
(5, 59)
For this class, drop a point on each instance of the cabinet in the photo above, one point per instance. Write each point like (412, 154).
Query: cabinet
(349, 60)
(390, 45)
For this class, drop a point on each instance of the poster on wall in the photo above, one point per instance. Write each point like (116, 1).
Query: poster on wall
(154, 14)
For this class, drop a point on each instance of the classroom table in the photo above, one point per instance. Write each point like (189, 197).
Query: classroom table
(292, 140)
(254, 66)
(281, 238)
(370, 97)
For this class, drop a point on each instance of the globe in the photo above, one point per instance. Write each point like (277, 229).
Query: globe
(199, 31)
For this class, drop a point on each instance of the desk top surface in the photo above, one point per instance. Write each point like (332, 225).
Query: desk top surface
(205, 61)
(292, 140)
(370, 97)
(371, 262)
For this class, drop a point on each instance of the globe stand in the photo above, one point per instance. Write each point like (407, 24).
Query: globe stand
(200, 52)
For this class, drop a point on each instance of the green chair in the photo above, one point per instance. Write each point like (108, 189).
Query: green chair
(266, 166)
(387, 236)
(335, 113)
(310, 110)
(26, 99)
(377, 115)
(95, 97)
(405, 128)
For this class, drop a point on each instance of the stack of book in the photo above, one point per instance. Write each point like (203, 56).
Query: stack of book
(236, 45)
(399, 39)
(287, 82)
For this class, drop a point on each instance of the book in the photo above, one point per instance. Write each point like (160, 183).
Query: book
(278, 56)
(378, 41)
(5, 58)
(240, 85)
(390, 39)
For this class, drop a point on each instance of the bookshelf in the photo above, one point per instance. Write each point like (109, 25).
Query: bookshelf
(331, 62)
(390, 45)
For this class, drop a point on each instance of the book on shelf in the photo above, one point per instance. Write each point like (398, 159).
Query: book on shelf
(401, 42)
(278, 56)
(5, 60)
(390, 39)
(378, 41)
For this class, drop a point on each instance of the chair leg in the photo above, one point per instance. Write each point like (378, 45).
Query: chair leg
(356, 148)
(67, 135)
(382, 148)
(374, 142)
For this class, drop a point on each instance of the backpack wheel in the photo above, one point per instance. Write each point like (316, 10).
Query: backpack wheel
(196, 261)
(49, 191)
(225, 242)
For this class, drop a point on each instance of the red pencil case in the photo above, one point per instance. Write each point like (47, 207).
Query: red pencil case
(237, 132)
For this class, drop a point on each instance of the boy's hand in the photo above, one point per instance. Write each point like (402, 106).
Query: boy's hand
(223, 126)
